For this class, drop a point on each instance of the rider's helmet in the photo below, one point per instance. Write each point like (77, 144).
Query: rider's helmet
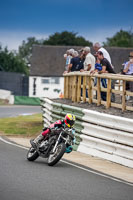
(69, 120)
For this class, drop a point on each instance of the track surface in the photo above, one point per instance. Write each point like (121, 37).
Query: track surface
(12, 111)
(21, 179)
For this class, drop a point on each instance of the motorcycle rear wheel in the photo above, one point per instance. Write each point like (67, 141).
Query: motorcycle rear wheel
(32, 154)
(57, 155)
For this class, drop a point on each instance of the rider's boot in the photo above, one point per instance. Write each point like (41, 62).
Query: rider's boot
(37, 140)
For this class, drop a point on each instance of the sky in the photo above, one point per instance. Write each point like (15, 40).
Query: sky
(93, 19)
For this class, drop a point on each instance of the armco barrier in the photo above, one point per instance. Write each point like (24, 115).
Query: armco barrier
(98, 134)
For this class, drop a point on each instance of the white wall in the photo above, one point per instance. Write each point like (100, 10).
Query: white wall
(50, 87)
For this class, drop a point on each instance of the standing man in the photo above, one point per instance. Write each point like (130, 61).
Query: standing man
(89, 63)
(76, 63)
(97, 47)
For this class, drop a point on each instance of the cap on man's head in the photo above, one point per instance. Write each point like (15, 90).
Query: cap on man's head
(100, 53)
(131, 54)
(87, 49)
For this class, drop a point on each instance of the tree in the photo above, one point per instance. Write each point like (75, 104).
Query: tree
(11, 62)
(66, 38)
(25, 49)
(120, 39)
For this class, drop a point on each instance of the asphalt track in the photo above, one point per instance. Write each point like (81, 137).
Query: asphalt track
(12, 111)
(24, 180)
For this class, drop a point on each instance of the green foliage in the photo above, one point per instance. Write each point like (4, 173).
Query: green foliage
(66, 38)
(25, 49)
(11, 62)
(120, 39)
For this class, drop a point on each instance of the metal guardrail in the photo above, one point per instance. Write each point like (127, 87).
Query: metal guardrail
(98, 134)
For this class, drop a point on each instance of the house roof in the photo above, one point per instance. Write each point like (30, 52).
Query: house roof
(48, 60)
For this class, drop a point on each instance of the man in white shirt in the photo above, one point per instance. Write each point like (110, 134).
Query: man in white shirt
(89, 63)
(97, 47)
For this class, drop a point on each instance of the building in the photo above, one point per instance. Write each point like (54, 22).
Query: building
(48, 65)
(46, 71)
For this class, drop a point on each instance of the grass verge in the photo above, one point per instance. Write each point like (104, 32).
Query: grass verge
(22, 125)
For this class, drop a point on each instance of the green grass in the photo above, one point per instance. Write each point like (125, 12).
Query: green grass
(22, 125)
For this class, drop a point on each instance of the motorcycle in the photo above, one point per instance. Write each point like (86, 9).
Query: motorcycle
(53, 147)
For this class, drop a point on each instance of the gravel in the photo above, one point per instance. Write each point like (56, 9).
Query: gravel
(101, 108)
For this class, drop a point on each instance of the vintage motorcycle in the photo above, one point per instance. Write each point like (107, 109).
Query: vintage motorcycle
(53, 147)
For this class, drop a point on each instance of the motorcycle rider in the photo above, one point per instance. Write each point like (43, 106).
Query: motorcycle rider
(69, 122)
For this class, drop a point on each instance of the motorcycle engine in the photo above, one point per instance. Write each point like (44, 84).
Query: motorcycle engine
(43, 146)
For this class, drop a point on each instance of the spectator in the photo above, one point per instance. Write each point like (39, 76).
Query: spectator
(106, 68)
(98, 68)
(128, 70)
(76, 63)
(68, 56)
(89, 63)
(97, 47)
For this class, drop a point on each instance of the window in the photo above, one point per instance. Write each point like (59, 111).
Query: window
(45, 81)
(55, 80)
(52, 80)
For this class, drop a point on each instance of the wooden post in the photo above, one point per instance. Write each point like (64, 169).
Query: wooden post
(70, 87)
(90, 90)
(108, 94)
(98, 92)
(74, 88)
(66, 88)
(123, 96)
(84, 88)
(79, 89)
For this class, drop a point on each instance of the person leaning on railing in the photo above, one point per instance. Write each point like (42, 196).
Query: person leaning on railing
(106, 68)
(128, 70)
(76, 63)
(89, 62)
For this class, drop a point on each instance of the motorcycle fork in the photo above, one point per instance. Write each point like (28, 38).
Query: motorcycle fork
(56, 143)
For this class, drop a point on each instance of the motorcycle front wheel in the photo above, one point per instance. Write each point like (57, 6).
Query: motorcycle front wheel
(32, 154)
(57, 155)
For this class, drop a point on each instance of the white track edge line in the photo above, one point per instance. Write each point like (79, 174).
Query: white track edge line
(74, 165)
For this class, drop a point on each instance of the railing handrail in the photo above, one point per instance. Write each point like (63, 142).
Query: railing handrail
(104, 75)
(80, 86)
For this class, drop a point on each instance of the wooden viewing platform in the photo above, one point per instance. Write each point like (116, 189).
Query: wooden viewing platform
(79, 86)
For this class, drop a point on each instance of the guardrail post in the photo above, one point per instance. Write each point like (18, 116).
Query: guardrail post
(123, 96)
(84, 88)
(108, 94)
(98, 91)
(74, 89)
(70, 87)
(90, 90)
(79, 89)
(66, 87)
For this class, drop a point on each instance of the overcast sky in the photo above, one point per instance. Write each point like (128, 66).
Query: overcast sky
(93, 19)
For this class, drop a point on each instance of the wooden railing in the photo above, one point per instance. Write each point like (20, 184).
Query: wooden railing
(79, 86)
